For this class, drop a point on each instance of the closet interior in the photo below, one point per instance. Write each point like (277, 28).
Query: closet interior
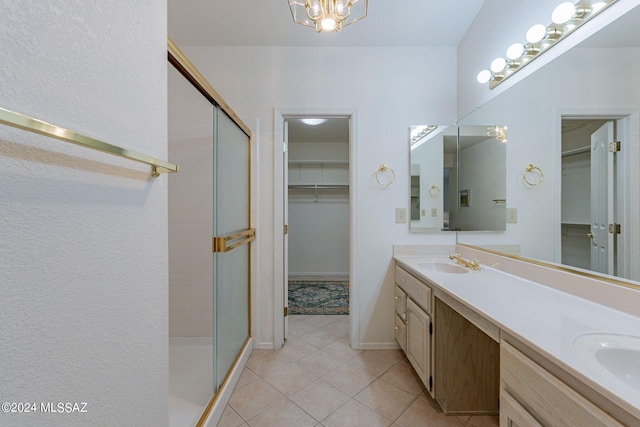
(318, 213)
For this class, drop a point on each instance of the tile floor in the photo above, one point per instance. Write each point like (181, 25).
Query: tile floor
(317, 380)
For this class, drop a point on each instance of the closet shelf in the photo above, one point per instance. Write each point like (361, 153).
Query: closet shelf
(575, 224)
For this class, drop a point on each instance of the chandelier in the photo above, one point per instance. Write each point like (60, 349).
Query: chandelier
(327, 15)
(499, 132)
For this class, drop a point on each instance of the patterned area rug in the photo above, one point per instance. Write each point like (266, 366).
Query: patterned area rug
(318, 297)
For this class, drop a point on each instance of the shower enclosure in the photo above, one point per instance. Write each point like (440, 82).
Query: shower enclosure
(209, 258)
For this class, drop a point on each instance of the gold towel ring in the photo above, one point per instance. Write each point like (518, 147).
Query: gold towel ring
(535, 172)
(434, 191)
(384, 170)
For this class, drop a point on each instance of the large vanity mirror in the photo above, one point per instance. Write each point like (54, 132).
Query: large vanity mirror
(458, 178)
(562, 120)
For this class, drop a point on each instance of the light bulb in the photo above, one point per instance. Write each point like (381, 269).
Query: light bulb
(563, 12)
(314, 10)
(484, 76)
(498, 65)
(328, 24)
(536, 33)
(515, 51)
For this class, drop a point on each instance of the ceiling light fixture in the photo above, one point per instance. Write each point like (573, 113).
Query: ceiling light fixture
(327, 15)
(499, 132)
(566, 17)
(312, 121)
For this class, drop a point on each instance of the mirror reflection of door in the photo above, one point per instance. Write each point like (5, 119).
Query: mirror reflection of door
(588, 205)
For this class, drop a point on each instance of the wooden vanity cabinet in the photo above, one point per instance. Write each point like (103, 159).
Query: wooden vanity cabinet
(414, 323)
(467, 365)
(533, 397)
(419, 342)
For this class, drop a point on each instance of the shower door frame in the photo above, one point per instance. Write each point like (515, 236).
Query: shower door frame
(214, 409)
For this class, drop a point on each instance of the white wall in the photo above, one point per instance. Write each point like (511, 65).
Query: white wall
(583, 82)
(318, 221)
(83, 247)
(392, 88)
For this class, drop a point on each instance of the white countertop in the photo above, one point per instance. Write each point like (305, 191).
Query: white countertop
(544, 318)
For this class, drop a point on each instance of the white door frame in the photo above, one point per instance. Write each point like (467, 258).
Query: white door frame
(628, 177)
(279, 115)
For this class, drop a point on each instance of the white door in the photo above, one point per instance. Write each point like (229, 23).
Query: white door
(602, 202)
(285, 217)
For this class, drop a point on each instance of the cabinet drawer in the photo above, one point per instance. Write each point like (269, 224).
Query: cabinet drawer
(401, 303)
(401, 333)
(544, 396)
(415, 289)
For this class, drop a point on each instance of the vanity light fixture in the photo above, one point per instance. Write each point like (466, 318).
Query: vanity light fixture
(419, 132)
(327, 15)
(566, 17)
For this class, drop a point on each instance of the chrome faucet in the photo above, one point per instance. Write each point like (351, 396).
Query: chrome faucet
(474, 265)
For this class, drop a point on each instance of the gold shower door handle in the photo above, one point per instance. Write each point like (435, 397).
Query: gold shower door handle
(221, 244)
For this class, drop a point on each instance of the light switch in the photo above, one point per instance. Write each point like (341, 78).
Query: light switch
(423, 212)
(512, 215)
(434, 212)
(401, 215)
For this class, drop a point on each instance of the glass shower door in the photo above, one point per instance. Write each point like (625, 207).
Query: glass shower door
(231, 226)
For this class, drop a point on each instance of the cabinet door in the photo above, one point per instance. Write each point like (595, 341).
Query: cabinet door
(545, 396)
(418, 341)
(513, 414)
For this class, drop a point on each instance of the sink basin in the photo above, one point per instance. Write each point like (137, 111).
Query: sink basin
(618, 354)
(443, 267)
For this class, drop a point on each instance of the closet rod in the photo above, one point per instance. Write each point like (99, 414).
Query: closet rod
(576, 151)
(30, 124)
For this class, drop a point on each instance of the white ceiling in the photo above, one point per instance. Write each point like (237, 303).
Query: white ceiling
(269, 23)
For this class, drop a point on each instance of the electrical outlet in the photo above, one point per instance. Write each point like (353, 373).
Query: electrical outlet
(401, 215)
(434, 212)
(512, 215)
(423, 212)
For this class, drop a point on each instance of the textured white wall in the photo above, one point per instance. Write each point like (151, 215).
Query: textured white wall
(83, 247)
(392, 88)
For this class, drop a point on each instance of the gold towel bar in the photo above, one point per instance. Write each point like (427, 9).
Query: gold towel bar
(220, 243)
(30, 124)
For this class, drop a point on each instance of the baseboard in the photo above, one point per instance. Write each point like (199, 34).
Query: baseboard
(224, 394)
(379, 346)
(266, 345)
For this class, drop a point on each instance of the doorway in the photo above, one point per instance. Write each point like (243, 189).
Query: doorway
(318, 215)
(313, 209)
(596, 181)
